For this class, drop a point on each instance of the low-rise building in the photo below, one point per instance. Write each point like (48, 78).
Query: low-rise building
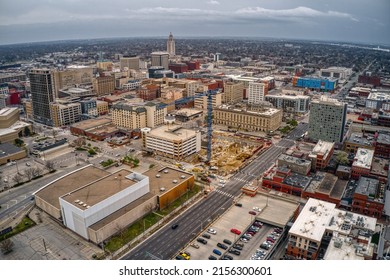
(96, 129)
(11, 127)
(320, 226)
(96, 204)
(200, 102)
(382, 145)
(321, 155)
(293, 106)
(362, 163)
(358, 140)
(172, 141)
(104, 85)
(368, 198)
(266, 119)
(341, 73)
(65, 113)
(184, 115)
(283, 180)
(326, 187)
(10, 152)
(296, 165)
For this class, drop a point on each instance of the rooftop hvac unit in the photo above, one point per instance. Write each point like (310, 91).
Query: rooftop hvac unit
(77, 201)
(85, 205)
(158, 175)
(81, 203)
(166, 171)
(182, 176)
(174, 181)
(162, 189)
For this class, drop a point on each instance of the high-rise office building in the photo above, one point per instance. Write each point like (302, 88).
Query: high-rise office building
(256, 92)
(233, 92)
(160, 59)
(130, 62)
(171, 50)
(42, 94)
(327, 120)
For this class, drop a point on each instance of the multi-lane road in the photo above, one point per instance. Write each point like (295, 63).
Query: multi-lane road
(167, 241)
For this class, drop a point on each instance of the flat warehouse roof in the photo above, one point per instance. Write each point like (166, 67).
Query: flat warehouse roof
(101, 189)
(274, 210)
(70, 182)
(166, 179)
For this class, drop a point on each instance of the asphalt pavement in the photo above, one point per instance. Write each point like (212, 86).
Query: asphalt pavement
(166, 242)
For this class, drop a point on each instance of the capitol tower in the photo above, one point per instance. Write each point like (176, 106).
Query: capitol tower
(171, 45)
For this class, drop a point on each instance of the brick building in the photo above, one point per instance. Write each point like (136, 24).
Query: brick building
(368, 198)
(362, 163)
(321, 155)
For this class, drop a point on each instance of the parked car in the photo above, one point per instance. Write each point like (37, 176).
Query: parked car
(205, 235)
(201, 240)
(222, 246)
(238, 247)
(180, 257)
(212, 231)
(196, 246)
(217, 252)
(227, 257)
(236, 231)
(227, 241)
(238, 204)
(211, 257)
(252, 213)
(234, 251)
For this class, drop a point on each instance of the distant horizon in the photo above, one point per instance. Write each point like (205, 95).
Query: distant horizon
(195, 37)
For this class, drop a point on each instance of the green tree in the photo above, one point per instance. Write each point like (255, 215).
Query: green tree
(92, 152)
(27, 131)
(19, 142)
(6, 246)
(342, 158)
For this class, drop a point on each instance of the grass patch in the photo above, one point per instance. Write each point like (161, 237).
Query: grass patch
(22, 226)
(137, 228)
(178, 202)
(128, 234)
(107, 163)
(375, 238)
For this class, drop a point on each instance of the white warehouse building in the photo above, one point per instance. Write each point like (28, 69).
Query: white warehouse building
(90, 204)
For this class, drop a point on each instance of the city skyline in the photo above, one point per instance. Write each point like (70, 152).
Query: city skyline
(348, 21)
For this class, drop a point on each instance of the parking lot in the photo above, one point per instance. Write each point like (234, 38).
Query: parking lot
(270, 212)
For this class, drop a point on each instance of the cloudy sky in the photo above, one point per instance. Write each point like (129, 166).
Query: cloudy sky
(340, 20)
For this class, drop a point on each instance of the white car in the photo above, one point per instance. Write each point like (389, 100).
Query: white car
(212, 231)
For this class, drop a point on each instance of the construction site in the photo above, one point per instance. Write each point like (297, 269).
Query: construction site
(231, 150)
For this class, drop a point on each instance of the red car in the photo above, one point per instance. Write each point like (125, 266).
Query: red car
(252, 213)
(236, 231)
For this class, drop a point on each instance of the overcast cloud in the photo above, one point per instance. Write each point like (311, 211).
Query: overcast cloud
(341, 20)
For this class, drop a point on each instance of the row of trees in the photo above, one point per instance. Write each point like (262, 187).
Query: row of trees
(31, 173)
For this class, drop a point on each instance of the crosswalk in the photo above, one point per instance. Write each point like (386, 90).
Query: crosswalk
(224, 193)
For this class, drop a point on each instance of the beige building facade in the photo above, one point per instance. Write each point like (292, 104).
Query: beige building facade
(265, 120)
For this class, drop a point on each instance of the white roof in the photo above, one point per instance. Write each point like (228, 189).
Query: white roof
(322, 147)
(318, 216)
(363, 158)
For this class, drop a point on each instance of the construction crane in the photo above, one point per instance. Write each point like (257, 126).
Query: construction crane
(209, 122)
